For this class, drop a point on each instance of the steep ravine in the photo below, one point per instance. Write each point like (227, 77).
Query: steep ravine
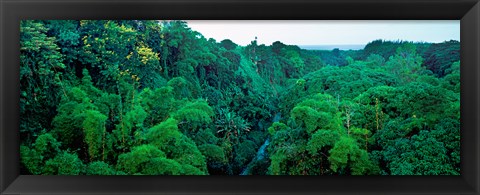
(261, 153)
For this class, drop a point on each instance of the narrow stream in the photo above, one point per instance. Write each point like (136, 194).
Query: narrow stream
(261, 153)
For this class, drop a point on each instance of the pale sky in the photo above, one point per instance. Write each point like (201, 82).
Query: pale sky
(327, 32)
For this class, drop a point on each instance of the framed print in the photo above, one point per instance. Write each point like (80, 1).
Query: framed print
(244, 97)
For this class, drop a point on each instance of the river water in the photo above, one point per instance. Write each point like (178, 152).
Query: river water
(261, 153)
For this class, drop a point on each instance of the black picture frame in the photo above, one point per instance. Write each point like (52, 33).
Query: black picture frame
(12, 11)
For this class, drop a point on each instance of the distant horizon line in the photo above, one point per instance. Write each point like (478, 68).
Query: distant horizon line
(334, 46)
(342, 44)
(385, 40)
(355, 46)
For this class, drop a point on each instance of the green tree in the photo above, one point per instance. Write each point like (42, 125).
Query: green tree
(406, 63)
(346, 153)
(64, 163)
(95, 134)
(34, 158)
(138, 159)
(228, 44)
(41, 72)
(99, 168)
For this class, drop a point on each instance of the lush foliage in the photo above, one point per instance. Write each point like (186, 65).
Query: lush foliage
(157, 98)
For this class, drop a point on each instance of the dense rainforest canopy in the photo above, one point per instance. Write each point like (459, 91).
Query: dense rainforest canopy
(157, 98)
